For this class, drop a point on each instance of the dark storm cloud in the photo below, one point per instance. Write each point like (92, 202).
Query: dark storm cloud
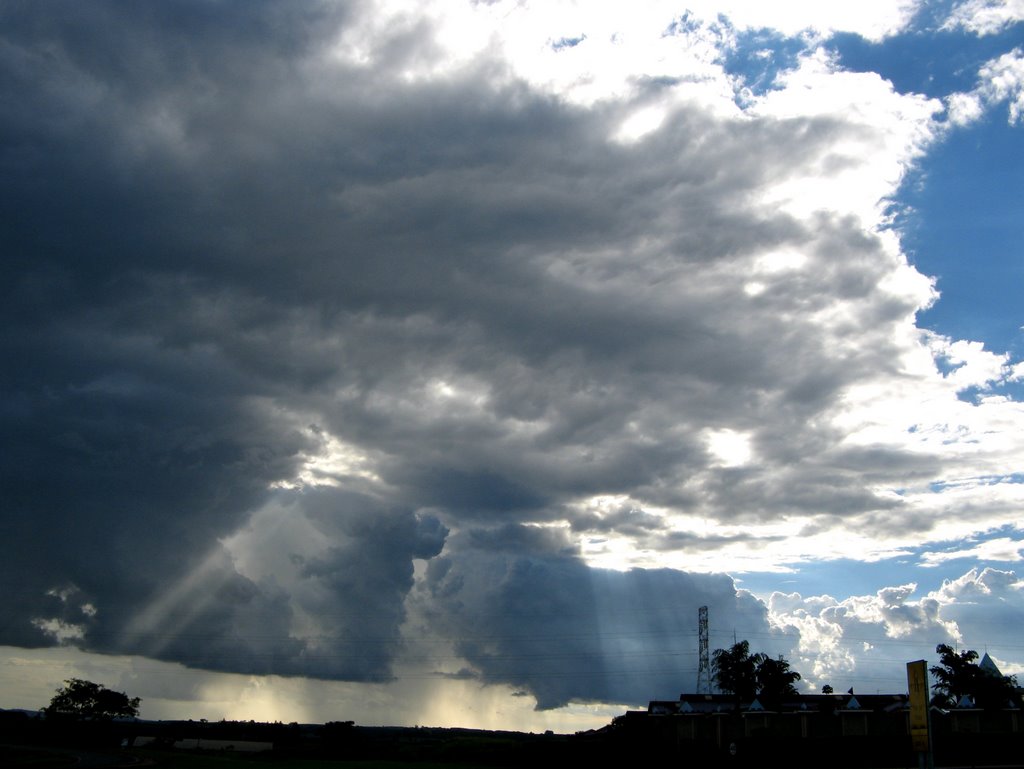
(355, 589)
(531, 614)
(624, 519)
(135, 437)
(225, 247)
(327, 602)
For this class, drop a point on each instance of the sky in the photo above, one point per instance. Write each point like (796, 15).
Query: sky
(434, 362)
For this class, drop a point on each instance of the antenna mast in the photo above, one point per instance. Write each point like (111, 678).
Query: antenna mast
(704, 660)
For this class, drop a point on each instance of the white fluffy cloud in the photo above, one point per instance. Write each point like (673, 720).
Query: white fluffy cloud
(999, 80)
(868, 639)
(986, 17)
(1000, 549)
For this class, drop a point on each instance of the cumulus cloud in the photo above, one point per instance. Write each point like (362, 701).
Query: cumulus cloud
(985, 17)
(873, 20)
(968, 364)
(868, 639)
(998, 549)
(999, 80)
(985, 603)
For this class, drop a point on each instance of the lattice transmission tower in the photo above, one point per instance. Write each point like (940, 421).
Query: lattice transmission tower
(704, 658)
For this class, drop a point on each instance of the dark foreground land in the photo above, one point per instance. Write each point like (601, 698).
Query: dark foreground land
(627, 742)
(31, 742)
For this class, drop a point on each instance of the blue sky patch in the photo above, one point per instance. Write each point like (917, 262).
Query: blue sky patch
(760, 55)
(567, 42)
(959, 210)
(934, 64)
(845, 577)
(962, 223)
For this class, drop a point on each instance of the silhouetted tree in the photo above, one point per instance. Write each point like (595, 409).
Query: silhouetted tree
(735, 670)
(827, 689)
(774, 679)
(746, 675)
(87, 700)
(958, 674)
(954, 675)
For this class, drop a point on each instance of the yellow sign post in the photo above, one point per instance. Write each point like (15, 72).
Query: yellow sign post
(917, 683)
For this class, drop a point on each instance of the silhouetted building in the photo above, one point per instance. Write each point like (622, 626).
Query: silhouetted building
(852, 730)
